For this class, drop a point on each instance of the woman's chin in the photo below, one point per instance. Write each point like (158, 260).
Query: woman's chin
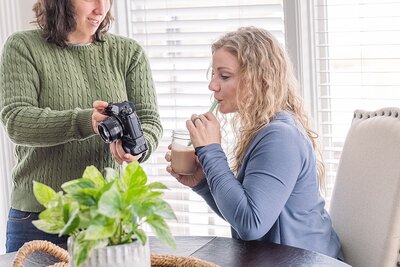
(224, 111)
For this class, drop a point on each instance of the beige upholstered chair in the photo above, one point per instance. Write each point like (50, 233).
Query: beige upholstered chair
(365, 205)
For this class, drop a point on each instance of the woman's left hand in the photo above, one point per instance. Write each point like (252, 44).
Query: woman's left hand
(188, 180)
(119, 153)
(204, 129)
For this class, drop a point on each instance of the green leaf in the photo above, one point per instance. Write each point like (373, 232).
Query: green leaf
(43, 193)
(77, 184)
(53, 215)
(95, 175)
(147, 204)
(134, 175)
(50, 220)
(111, 174)
(86, 218)
(66, 211)
(84, 199)
(82, 249)
(134, 195)
(141, 235)
(163, 209)
(52, 227)
(69, 208)
(71, 225)
(156, 185)
(56, 201)
(161, 229)
(99, 231)
(153, 194)
(110, 202)
(94, 193)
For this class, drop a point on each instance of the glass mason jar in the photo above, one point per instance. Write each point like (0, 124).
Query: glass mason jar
(183, 159)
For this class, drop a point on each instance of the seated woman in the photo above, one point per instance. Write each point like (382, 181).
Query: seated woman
(270, 192)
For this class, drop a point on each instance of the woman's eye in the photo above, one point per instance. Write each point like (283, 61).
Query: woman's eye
(224, 77)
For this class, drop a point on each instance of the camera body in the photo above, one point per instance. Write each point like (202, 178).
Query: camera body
(124, 124)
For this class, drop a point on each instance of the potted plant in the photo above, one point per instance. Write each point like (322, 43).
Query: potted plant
(100, 212)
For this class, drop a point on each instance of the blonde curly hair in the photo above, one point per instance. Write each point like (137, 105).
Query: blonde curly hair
(267, 86)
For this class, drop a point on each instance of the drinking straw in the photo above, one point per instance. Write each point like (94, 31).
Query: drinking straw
(212, 108)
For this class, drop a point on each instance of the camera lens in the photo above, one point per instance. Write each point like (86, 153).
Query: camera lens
(110, 130)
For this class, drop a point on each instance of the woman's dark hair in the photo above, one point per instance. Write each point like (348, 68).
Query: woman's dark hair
(57, 19)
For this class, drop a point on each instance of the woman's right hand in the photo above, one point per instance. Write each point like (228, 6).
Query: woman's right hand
(97, 114)
(188, 180)
(119, 154)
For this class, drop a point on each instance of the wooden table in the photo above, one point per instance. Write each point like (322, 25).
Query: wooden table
(220, 250)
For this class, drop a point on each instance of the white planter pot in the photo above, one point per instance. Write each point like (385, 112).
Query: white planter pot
(133, 254)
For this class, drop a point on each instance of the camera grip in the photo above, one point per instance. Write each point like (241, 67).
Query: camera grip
(134, 148)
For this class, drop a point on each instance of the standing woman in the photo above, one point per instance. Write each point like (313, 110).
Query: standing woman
(271, 190)
(55, 83)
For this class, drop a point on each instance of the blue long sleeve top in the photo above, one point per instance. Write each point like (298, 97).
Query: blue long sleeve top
(275, 195)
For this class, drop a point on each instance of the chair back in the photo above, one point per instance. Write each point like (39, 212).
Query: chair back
(365, 204)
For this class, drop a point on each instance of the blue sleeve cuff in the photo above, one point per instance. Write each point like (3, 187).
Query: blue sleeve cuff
(197, 149)
(201, 188)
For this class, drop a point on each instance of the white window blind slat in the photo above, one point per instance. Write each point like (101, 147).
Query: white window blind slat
(171, 12)
(190, 24)
(180, 63)
(188, 38)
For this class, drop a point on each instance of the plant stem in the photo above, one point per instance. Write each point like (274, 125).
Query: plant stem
(119, 232)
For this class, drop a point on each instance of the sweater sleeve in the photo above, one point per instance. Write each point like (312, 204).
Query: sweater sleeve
(26, 123)
(270, 173)
(141, 92)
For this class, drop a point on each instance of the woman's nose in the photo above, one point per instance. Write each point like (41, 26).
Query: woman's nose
(101, 7)
(213, 86)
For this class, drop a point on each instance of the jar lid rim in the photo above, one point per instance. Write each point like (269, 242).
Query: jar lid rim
(180, 131)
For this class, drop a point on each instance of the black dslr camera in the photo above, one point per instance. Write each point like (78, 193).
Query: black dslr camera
(124, 124)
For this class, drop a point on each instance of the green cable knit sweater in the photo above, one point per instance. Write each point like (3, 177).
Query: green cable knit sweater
(46, 97)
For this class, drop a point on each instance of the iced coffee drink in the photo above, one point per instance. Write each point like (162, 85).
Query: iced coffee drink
(183, 159)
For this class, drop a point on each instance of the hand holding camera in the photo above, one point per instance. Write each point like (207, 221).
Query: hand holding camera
(98, 114)
(121, 124)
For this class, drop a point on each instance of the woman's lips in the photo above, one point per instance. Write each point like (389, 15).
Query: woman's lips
(94, 22)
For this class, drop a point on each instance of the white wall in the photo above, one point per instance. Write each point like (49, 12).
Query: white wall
(15, 15)
(26, 13)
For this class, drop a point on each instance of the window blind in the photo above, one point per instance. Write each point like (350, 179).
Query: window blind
(177, 37)
(357, 46)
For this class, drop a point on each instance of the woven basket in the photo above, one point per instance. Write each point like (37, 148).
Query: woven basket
(60, 253)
